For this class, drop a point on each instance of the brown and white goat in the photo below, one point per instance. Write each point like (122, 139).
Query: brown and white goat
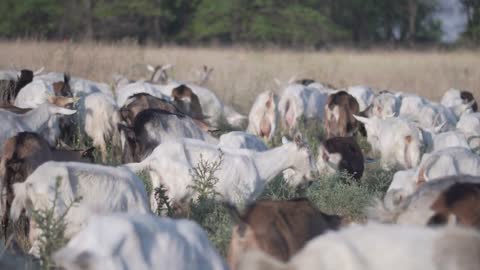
(279, 228)
(339, 111)
(22, 154)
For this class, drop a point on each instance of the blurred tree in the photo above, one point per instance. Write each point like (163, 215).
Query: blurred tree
(297, 23)
(472, 8)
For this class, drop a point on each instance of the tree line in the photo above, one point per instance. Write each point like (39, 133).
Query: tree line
(290, 23)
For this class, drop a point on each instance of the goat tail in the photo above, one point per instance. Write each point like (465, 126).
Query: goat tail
(20, 201)
(258, 260)
(411, 153)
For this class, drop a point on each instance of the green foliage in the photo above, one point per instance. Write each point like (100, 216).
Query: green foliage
(52, 228)
(204, 179)
(163, 202)
(301, 23)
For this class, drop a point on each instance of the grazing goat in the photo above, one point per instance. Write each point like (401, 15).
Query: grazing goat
(101, 121)
(102, 190)
(38, 92)
(341, 154)
(278, 228)
(242, 175)
(140, 102)
(385, 105)
(417, 208)
(262, 119)
(453, 97)
(22, 154)
(446, 162)
(379, 247)
(37, 120)
(152, 127)
(133, 241)
(339, 111)
(299, 101)
(241, 140)
(397, 139)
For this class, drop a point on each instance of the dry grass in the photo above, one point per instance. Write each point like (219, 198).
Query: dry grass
(241, 73)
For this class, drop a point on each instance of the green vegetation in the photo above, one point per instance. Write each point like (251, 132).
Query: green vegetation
(52, 236)
(304, 23)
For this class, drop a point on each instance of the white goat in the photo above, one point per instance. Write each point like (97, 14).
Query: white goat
(37, 120)
(262, 119)
(241, 140)
(378, 247)
(416, 207)
(242, 175)
(298, 100)
(397, 139)
(131, 242)
(386, 105)
(102, 190)
(447, 162)
(363, 94)
(101, 120)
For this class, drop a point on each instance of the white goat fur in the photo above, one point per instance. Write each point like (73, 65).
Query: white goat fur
(397, 140)
(101, 119)
(102, 190)
(130, 242)
(363, 94)
(242, 175)
(298, 100)
(37, 120)
(263, 115)
(241, 140)
(379, 247)
(416, 208)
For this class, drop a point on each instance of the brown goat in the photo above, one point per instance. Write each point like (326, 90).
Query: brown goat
(341, 154)
(279, 228)
(462, 200)
(187, 102)
(141, 102)
(339, 111)
(22, 154)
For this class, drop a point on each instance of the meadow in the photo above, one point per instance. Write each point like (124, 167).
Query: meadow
(241, 73)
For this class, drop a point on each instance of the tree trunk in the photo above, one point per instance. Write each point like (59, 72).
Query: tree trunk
(89, 32)
(412, 21)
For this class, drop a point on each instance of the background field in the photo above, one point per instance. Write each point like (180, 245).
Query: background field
(241, 73)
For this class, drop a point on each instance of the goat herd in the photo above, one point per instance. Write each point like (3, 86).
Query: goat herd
(164, 128)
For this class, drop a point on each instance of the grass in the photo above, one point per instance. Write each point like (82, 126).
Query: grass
(241, 73)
